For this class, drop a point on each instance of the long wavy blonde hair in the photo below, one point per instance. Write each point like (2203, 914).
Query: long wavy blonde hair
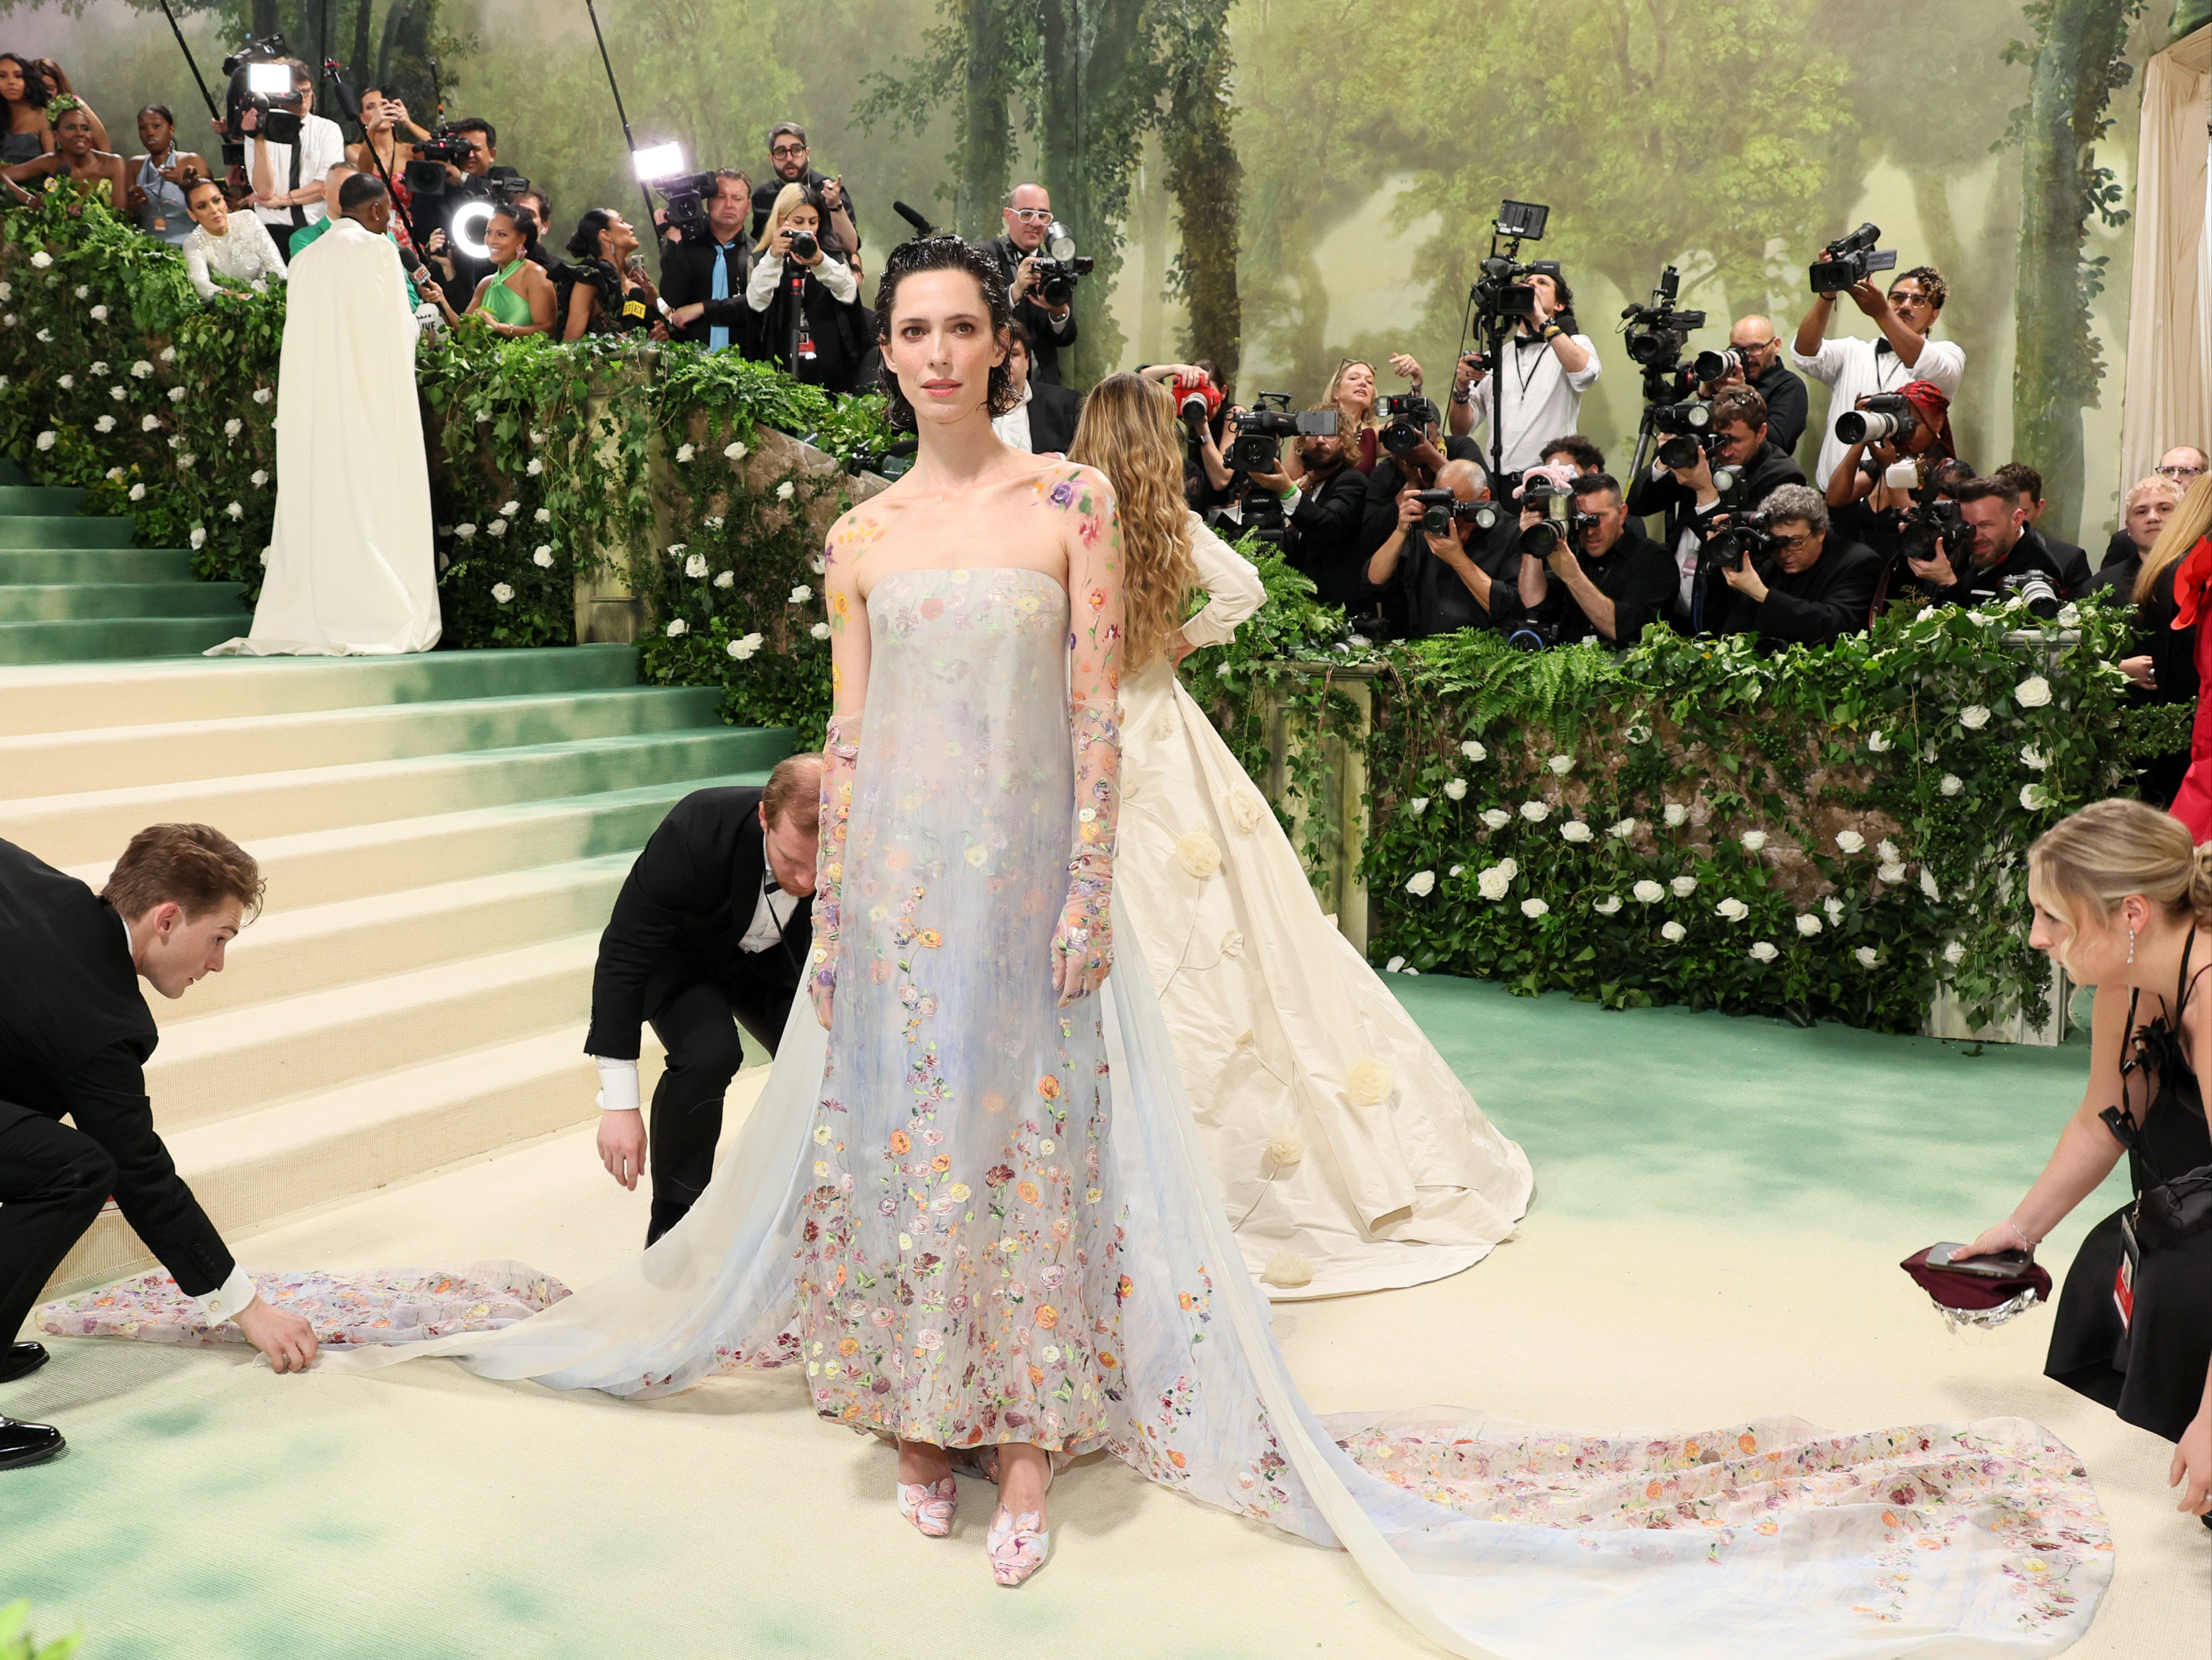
(1128, 431)
(2185, 527)
(1333, 397)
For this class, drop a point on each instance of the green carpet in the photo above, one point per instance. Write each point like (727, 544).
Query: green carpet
(1721, 1204)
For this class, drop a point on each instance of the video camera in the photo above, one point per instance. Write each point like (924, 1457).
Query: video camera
(427, 165)
(260, 74)
(1560, 521)
(1261, 431)
(1654, 333)
(686, 199)
(1060, 269)
(1503, 289)
(1851, 259)
(1410, 416)
(1439, 508)
(1888, 418)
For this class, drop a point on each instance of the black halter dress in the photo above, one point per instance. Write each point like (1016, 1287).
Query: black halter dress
(2149, 1369)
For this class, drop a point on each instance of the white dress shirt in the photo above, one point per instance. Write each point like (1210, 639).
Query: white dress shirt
(1853, 368)
(235, 1292)
(1013, 426)
(833, 273)
(322, 146)
(242, 254)
(618, 1085)
(1543, 401)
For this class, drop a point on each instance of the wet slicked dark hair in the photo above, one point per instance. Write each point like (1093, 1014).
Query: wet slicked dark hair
(940, 254)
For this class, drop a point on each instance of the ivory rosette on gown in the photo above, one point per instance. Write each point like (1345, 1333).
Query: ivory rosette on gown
(351, 570)
(1352, 1158)
(967, 1213)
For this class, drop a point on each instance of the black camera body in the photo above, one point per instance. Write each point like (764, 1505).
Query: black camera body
(686, 202)
(1560, 520)
(1745, 535)
(1851, 259)
(1440, 507)
(1058, 268)
(2034, 588)
(1654, 333)
(1261, 428)
(276, 116)
(805, 245)
(1887, 417)
(1685, 425)
(1936, 527)
(1409, 416)
(426, 165)
(1711, 366)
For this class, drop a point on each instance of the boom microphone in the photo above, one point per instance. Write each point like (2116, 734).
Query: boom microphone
(921, 225)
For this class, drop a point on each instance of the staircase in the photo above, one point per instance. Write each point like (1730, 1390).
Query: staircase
(73, 589)
(443, 836)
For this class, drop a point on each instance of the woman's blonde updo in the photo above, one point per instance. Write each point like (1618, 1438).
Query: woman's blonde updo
(1128, 431)
(2082, 867)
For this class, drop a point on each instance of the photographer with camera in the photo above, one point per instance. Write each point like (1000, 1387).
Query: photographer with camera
(2006, 558)
(1322, 536)
(468, 152)
(1203, 411)
(1851, 368)
(787, 162)
(1042, 293)
(805, 301)
(1450, 569)
(1576, 453)
(1043, 422)
(287, 178)
(1547, 369)
(1754, 359)
(2073, 563)
(1787, 584)
(1734, 443)
(704, 276)
(1587, 570)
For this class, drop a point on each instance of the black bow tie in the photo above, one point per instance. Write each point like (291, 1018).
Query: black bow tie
(1882, 346)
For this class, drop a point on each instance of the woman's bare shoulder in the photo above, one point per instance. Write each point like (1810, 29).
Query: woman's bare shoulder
(857, 530)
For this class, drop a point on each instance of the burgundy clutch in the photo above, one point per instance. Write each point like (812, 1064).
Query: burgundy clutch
(1985, 1296)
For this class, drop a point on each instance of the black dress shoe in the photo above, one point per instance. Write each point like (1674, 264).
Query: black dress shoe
(21, 1360)
(28, 1444)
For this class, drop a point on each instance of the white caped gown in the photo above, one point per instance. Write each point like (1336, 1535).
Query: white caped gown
(931, 1240)
(351, 570)
(1351, 1156)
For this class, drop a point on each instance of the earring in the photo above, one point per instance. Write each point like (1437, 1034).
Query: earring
(2131, 942)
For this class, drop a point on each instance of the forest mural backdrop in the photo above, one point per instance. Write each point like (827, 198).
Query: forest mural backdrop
(1278, 183)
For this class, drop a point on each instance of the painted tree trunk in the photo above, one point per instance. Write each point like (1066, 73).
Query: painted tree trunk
(1088, 127)
(2057, 366)
(1206, 178)
(986, 134)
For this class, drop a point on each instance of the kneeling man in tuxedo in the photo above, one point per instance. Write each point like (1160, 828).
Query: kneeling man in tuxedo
(710, 932)
(75, 1036)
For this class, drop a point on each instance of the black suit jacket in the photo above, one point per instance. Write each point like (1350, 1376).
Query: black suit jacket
(1044, 361)
(1813, 607)
(1768, 471)
(1053, 411)
(75, 1036)
(1323, 539)
(687, 274)
(1786, 405)
(1636, 575)
(689, 900)
(2073, 563)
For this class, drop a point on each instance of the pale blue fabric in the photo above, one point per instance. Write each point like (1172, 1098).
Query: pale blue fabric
(717, 335)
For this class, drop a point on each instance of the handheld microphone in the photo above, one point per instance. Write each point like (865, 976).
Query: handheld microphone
(921, 225)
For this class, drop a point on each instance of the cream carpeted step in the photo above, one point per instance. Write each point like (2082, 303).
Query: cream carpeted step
(259, 1165)
(65, 762)
(240, 1059)
(289, 952)
(71, 830)
(77, 697)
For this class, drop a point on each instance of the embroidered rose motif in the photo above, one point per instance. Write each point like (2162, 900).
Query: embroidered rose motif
(1368, 1083)
(1198, 855)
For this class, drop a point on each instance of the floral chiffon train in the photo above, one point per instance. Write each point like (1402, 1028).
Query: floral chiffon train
(971, 1217)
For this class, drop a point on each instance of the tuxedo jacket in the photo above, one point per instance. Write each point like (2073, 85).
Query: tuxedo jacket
(689, 900)
(1053, 411)
(75, 1036)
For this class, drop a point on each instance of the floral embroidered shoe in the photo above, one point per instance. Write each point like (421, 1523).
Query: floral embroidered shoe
(929, 1505)
(1017, 1545)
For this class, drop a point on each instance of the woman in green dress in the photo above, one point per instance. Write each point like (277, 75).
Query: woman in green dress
(516, 299)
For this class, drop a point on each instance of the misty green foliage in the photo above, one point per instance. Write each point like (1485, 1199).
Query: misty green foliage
(16, 1642)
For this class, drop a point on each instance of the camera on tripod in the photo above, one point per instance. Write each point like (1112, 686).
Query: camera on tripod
(1261, 428)
(261, 81)
(1503, 287)
(1409, 416)
(1888, 418)
(427, 165)
(1851, 259)
(1060, 268)
(1439, 508)
(1654, 333)
(1560, 520)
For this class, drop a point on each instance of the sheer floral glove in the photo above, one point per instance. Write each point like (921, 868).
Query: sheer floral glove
(1083, 944)
(841, 752)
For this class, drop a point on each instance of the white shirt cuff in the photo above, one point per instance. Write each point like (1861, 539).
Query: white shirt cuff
(224, 1301)
(617, 1085)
